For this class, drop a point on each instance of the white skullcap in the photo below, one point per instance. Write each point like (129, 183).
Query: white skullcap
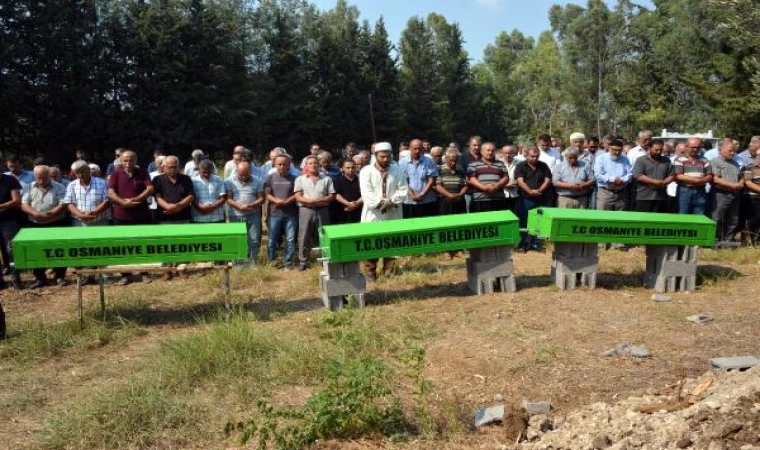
(95, 167)
(577, 135)
(383, 147)
(197, 152)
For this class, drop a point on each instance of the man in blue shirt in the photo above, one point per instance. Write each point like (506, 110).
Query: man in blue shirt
(613, 172)
(748, 155)
(420, 171)
(16, 170)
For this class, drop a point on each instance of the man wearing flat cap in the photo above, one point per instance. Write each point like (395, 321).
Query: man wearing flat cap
(383, 187)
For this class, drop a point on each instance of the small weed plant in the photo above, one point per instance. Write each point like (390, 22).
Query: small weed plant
(353, 402)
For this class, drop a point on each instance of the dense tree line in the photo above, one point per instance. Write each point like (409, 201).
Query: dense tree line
(184, 74)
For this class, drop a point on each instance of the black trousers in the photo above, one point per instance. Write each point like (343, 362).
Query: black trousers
(413, 211)
(654, 206)
(60, 272)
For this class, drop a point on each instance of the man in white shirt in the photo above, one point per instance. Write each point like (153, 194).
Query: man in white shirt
(642, 144)
(548, 155)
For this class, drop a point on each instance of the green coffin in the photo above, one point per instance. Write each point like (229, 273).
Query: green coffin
(582, 225)
(115, 245)
(360, 241)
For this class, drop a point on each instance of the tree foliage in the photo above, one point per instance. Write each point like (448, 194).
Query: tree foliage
(183, 74)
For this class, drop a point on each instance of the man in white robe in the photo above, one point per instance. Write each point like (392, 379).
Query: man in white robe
(383, 187)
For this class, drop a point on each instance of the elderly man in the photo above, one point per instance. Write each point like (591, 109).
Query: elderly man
(487, 178)
(129, 188)
(534, 180)
(573, 179)
(283, 210)
(87, 197)
(359, 162)
(95, 170)
(10, 216)
(577, 140)
(641, 149)
(728, 181)
(384, 188)
(420, 173)
(87, 200)
(653, 173)
(44, 205)
(613, 173)
(174, 193)
(348, 205)
(748, 155)
(436, 153)
(326, 166)
(314, 191)
(210, 195)
(692, 173)
(451, 185)
(245, 195)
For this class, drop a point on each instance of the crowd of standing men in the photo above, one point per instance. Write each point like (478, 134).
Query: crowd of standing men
(377, 184)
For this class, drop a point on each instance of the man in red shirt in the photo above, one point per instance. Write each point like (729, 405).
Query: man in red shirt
(129, 188)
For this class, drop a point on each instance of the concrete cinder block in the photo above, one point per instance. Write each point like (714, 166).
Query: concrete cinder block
(489, 254)
(489, 415)
(343, 286)
(640, 352)
(534, 408)
(678, 269)
(340, 270)
(671, 268)
(481, 286)
(735, 362)
(334, 303)
(576, 264)
(491, 269)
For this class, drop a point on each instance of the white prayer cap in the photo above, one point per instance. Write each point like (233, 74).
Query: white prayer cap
(383, 147)
(577, 135)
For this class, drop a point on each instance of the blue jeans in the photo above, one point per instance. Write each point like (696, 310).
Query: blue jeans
(526, 204)
(691, 200)
(253, 226)
(277, 227)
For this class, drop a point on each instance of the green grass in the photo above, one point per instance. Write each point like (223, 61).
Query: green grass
(33, 340)
(236, 361)
(134, 415)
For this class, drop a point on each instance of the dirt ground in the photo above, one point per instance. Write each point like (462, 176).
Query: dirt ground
(536, 344)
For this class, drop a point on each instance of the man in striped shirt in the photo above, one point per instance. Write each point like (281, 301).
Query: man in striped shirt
(487, 176)
(210, 195)
(693, 173)
(87, 197)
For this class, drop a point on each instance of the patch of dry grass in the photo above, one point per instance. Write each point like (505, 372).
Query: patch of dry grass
(187, 369)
